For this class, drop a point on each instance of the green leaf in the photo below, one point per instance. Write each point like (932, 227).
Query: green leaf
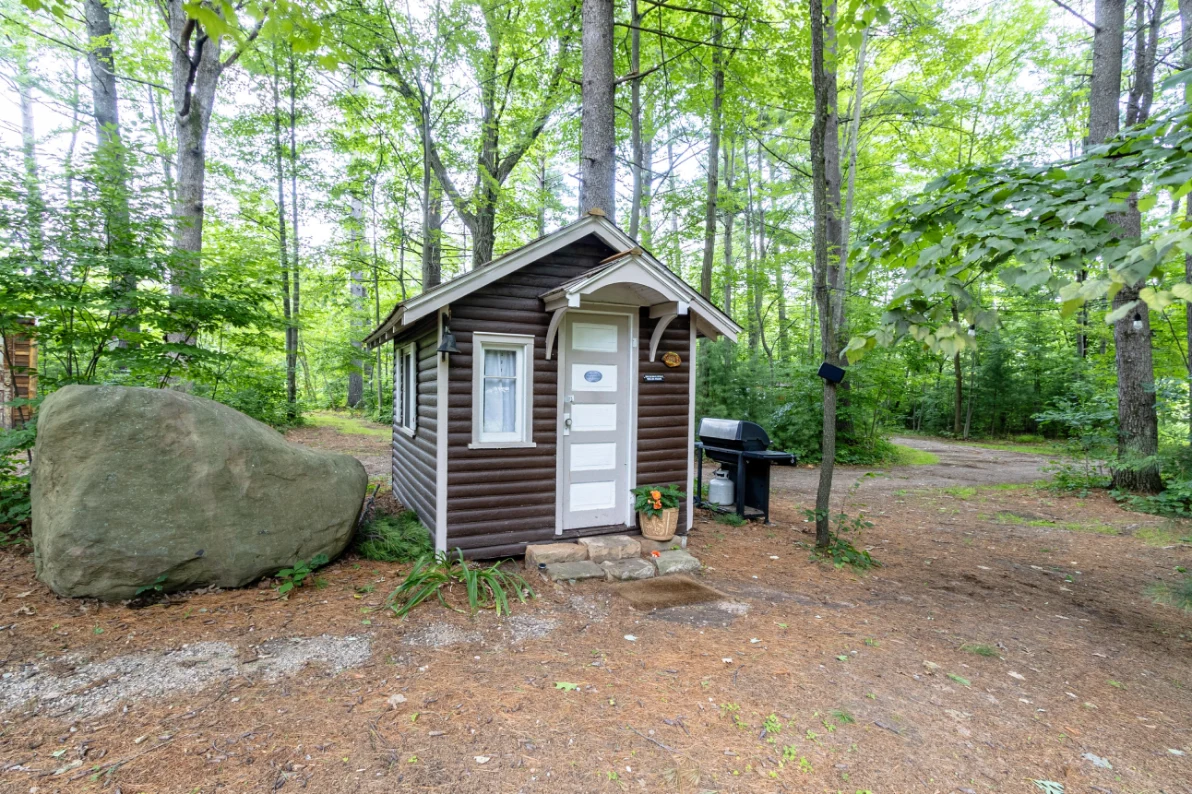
(1120, 312)
(1182, 290)
(566, 686)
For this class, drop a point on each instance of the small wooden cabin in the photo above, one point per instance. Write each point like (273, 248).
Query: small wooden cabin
(573, 382)
(18, 376)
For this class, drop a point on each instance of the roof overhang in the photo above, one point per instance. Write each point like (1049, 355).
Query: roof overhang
(709, 320)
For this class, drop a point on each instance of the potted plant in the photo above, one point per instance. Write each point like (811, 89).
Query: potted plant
(658, 510)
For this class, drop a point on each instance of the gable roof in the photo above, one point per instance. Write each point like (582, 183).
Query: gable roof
(427, 303)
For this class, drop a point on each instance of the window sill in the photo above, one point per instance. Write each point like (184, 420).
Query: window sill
(408, 432)
(501, 445)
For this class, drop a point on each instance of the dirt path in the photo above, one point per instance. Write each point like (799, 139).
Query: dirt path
(959, 466)
(1007, 638)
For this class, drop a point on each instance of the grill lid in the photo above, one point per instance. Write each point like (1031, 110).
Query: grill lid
(733, 434)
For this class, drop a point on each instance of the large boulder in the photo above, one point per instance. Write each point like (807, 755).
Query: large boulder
(132, 484)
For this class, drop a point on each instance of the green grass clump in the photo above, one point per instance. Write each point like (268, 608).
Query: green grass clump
(394, 538)
(730, 519)
(440, 576)
(909, 456)
(348, 424)
(987, 651)
(1178, 595)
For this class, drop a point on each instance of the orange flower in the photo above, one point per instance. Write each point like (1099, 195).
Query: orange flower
(655, 495)
(657, 505)
(655, 554)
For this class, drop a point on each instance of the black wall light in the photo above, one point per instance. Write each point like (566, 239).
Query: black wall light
(448, 344)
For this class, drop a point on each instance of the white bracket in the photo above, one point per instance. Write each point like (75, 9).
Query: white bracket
(659, 329)
(553, 329)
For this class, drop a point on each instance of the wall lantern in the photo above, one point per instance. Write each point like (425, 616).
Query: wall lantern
(972, 330)
(1137, 321)
(448, 344)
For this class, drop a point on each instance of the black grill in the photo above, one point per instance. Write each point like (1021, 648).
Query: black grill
(743, 449)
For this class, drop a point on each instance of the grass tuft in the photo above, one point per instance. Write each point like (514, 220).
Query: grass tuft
(348, 424)
(909, 456)
(438, 575)
(394, 538)
(988, 651)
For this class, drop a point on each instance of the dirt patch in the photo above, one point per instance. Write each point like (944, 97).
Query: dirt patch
(666, 591)
(817, 682)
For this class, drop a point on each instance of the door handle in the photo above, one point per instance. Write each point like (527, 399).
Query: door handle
(566, 424)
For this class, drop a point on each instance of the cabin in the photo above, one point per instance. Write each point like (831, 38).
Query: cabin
(534, 392)
(18, 376)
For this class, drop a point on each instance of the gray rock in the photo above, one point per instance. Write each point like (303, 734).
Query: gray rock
(676, 562)
(628, 570)
(132, 484)
(573, 571)
(611, 547)
(653, 545)
(554, 552)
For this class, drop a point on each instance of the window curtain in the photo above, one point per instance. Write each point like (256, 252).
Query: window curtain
(500, 391)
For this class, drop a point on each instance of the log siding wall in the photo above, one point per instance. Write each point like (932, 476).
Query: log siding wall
(500, 499)
(663, 409)
(414, 471)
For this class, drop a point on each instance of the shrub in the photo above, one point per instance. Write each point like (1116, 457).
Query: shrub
(653, 499)
(15, 507)
(394, 538)
(438, 575)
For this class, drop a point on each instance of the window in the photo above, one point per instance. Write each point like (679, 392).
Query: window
(502, 390)
(407, 391)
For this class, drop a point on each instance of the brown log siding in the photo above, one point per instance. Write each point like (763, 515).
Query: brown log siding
(662, 409)
(500, 499)
(414, 468)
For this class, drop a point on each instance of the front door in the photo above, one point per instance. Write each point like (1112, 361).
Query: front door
(595, 420)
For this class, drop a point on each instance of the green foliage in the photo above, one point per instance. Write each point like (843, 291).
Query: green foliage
(156, 586)
(438, 575)
(840, 550)
(909, 456)
(297, 574)
(15, 507)
(394, 538)
(653, 499)
(979, 649)
(1178, 595)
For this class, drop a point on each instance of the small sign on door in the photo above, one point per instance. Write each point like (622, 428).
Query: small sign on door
(653, 378)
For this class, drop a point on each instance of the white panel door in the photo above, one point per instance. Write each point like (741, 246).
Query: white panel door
(595, 420)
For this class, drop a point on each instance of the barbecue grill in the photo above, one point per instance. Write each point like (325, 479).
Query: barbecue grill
(743, 449)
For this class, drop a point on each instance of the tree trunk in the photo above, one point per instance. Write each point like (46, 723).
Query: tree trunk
(195, 71)
(729, 216)
(598, 167)
(1138, 425)
(705, 281)
(825, 169)
(283, 253)
(1185, 7)
(34, 204)
(109, 147)
(635, 118)
(958, 377)
(356, 295)
(1146, 41)
(296, 286)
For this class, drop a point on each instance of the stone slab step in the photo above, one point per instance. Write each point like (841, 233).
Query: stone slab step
(669, 562)
(573, 571)
(611, 547)
(628, 570)
(549, 553)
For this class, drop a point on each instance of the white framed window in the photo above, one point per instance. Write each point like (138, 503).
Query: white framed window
(502, 390)
(407, 388)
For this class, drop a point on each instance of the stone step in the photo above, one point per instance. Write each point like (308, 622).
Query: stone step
(669, 562)
(573, 571)
(548, 553)
(628, 570)
(611, 547)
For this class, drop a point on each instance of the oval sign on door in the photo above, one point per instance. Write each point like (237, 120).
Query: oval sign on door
(593, 376)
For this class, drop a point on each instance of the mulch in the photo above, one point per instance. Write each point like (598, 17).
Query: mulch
(830, 681)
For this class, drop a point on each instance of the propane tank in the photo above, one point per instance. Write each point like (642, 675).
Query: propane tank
(720, 489)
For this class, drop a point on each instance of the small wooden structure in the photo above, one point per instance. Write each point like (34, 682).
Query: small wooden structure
(571, 383)
(18, 377)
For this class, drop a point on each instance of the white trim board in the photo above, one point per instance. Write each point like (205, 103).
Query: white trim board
(440, 528)
(714, 321)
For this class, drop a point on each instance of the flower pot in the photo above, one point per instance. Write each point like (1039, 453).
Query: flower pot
(660, 527)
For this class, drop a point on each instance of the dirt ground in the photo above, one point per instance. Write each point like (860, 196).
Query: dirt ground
(804, 679)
